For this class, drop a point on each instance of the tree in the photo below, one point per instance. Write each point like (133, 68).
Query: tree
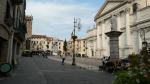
(65, 46)
(138, 72)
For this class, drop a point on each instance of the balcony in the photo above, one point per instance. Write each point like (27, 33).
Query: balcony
(18, 2)
(21, 31)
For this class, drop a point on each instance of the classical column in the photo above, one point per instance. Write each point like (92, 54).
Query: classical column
(118, 21)
(118, 28)
(103, 38)
(10, 49)
(128, 33)
(98, 37)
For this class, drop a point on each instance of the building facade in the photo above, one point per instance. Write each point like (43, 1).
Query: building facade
(91, 43)
(38, 43)
(12, 30)
(80, 47)
(44, 43)
(133, 20)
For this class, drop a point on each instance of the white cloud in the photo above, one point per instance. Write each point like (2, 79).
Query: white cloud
(57, 19)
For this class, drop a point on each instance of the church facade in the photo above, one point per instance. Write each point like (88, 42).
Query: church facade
(133, 20)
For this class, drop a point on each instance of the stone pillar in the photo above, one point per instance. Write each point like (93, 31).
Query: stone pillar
(114, 40)
(114, 45)
(118, 28)
(98, 46)
(98, 37)
(103, 39)
(118, 21)
(10, 49)
(128, 33)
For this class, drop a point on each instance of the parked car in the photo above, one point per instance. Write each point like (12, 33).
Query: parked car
(27, 53)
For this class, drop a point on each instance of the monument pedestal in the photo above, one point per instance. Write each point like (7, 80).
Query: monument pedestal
(114, 45)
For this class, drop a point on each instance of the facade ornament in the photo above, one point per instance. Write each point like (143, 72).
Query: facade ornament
(127, 10)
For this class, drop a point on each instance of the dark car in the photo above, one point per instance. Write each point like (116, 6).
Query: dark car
(26, 53)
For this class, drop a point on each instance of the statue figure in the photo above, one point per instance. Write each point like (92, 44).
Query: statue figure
(113, 23)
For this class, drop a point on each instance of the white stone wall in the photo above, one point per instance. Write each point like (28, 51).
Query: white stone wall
(130, 40)
(91, 43)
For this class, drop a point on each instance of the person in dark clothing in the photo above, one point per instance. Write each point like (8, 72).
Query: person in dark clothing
(44, 54)
(63, 59)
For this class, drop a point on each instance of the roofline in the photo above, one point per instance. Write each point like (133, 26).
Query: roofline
(101, 9)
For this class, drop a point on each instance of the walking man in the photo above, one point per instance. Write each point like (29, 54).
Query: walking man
(63, 58)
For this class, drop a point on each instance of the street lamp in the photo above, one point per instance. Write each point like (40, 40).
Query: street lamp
(144, 42)
(74, 37)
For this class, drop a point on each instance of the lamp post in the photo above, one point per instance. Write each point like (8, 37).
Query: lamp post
(74, 37)
(144, 42)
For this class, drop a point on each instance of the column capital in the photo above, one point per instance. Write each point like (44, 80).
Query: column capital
(102, 21)
(118, 14)
(127, 10)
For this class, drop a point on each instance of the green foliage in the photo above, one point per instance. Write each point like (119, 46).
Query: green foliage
(123, 77)
(138, 72)
(65, 45)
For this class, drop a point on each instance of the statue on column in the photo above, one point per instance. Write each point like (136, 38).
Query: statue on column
(113, 23)
(114, 40)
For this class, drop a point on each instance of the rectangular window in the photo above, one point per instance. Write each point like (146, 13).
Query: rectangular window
(7, 11)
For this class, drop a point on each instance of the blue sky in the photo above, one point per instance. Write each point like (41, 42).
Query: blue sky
(54, 18)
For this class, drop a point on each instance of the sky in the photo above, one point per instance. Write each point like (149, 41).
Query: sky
(54, 18)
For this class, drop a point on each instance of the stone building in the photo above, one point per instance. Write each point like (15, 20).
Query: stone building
(91, 43)
(12, 30)
(57, 46)
(38, 43)
(29, 20)
(44, 43)
(80, 47)
(60, 47)
(133, 20)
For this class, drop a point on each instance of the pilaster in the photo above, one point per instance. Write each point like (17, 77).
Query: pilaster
(128, 33)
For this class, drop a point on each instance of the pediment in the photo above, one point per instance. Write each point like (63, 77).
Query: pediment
(108, 5)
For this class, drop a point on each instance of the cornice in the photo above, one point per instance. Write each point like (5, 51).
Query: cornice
(99, 16)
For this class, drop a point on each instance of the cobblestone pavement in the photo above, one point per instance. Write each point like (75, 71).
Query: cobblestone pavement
(87, 63)
(38, 70)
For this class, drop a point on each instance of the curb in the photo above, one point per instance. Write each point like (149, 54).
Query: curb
(84, 66)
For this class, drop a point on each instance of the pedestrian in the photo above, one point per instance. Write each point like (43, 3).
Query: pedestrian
(63, 58)
(44, 55)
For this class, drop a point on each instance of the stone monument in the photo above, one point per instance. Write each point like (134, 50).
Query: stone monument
(114, 40)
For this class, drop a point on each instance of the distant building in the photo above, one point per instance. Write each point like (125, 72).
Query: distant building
(80, 50)
(57, 46)
(38, 43)
(91, 43)
(60, 47)
(81, 47)
(29, 20)
(44, 43)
